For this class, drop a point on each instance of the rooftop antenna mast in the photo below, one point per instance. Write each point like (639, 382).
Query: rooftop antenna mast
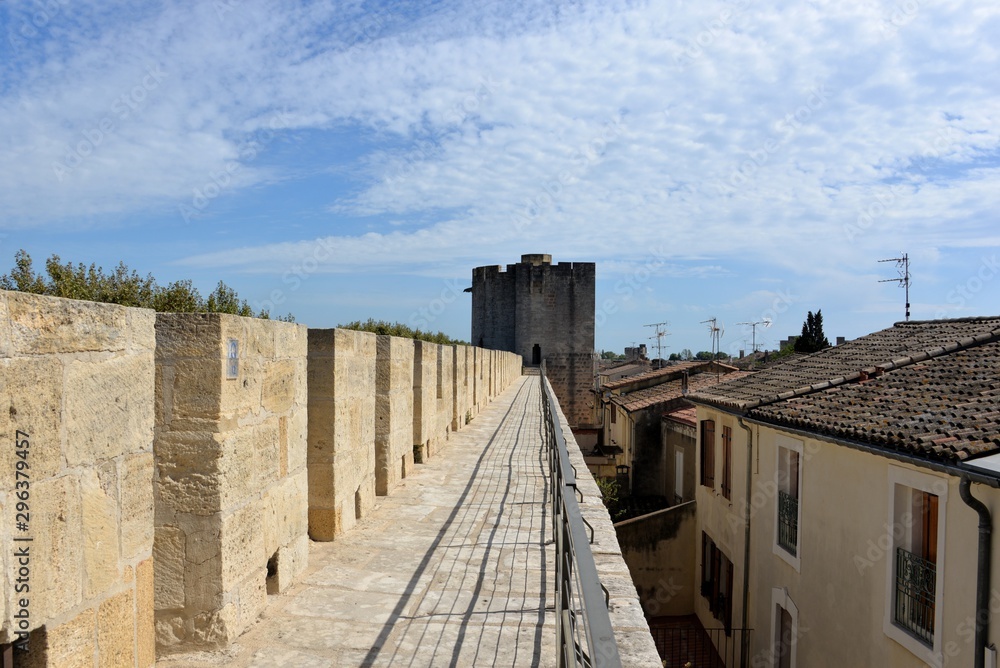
(903, 265)
(659, 340)
(766, 322)
(716, 331)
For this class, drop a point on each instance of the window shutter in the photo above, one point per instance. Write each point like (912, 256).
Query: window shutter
(708, 453)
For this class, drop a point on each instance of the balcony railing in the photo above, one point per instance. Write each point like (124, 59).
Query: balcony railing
(916, 584)
(788, 522)
(703, 648)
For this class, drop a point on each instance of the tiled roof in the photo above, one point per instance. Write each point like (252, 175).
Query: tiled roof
(903, 344)
(628, 368)
(670, 390)
(687, 416)
(673, 369)
(946, 408)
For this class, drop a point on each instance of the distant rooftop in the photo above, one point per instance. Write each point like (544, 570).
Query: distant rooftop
(927, 388)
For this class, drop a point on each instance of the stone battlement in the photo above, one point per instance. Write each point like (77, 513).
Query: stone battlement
(211, 445)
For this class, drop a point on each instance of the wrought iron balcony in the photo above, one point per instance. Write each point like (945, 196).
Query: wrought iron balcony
(916, 584)
(788, 522)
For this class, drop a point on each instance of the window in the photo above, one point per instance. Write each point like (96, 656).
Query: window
(717, 581)
(785, 629)
(678, 476)
(727, 462)
(788, 511)
(708, 453)
(916, 570)
(614, 414)
(915, 561)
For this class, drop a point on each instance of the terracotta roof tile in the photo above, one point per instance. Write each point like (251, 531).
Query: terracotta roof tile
(670, 390)
(904, 344)
(673, 369)
(945, 408)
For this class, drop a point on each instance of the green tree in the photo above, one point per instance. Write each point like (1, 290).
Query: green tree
(812, 338)
(121, 286)
(399, 329)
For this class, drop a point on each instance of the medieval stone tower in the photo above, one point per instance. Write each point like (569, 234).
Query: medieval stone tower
(545, 312)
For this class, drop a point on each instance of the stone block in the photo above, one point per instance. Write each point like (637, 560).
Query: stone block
(285, 512)
(297, 425)
(280, 380)
(136, 479)
(253, 599)
(169, 563)
(291, 560)
(108, 408)
(216, 628)
(116, 631)
(188, 335)
(195, 388)
(69, 645)
(100, 535)
(31, 398)
(324, 523)
(144, 632)
(56, 518)
(45, 325)
(141, 328)
(241, 545)
(187, 473)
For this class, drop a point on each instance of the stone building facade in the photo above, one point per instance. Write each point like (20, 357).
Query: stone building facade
(542, 312)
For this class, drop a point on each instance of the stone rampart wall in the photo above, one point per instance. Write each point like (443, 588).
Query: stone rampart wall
(342, 391)
(230, 490)
(393, 412)
(209, 444)
(77, 396)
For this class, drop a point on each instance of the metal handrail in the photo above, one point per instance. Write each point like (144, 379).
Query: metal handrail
(583, 625)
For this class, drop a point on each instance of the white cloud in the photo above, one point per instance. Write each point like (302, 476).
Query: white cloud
(592, 131)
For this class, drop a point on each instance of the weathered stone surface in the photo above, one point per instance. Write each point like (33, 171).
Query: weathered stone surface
(279, 386)
(188, 467)
(100, 535)
(341, 431)
(169, 563)
(136, 480)
(393, 412)
(71, 644)
(108, 412)
(31, 400)
(115, 631)
(45, 325)
(425, 361)
(232, 481)
(56, 518)
(144, 606)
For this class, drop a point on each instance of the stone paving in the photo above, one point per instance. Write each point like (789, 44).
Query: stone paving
(454, 568)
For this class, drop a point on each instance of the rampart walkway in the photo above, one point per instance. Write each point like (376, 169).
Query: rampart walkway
(452, 569)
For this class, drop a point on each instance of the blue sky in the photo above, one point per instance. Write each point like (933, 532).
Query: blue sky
(740, 160)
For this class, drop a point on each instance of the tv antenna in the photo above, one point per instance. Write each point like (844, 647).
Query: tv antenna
(659, 340)
(766, 322)
(716, 330)
(903, 266)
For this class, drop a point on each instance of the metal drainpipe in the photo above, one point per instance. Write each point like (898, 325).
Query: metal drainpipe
(983, 574)
(744, 649)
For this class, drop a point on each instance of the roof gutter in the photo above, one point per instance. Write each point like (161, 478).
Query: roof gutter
(958, 471)
(983, 571)
(745, 644)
